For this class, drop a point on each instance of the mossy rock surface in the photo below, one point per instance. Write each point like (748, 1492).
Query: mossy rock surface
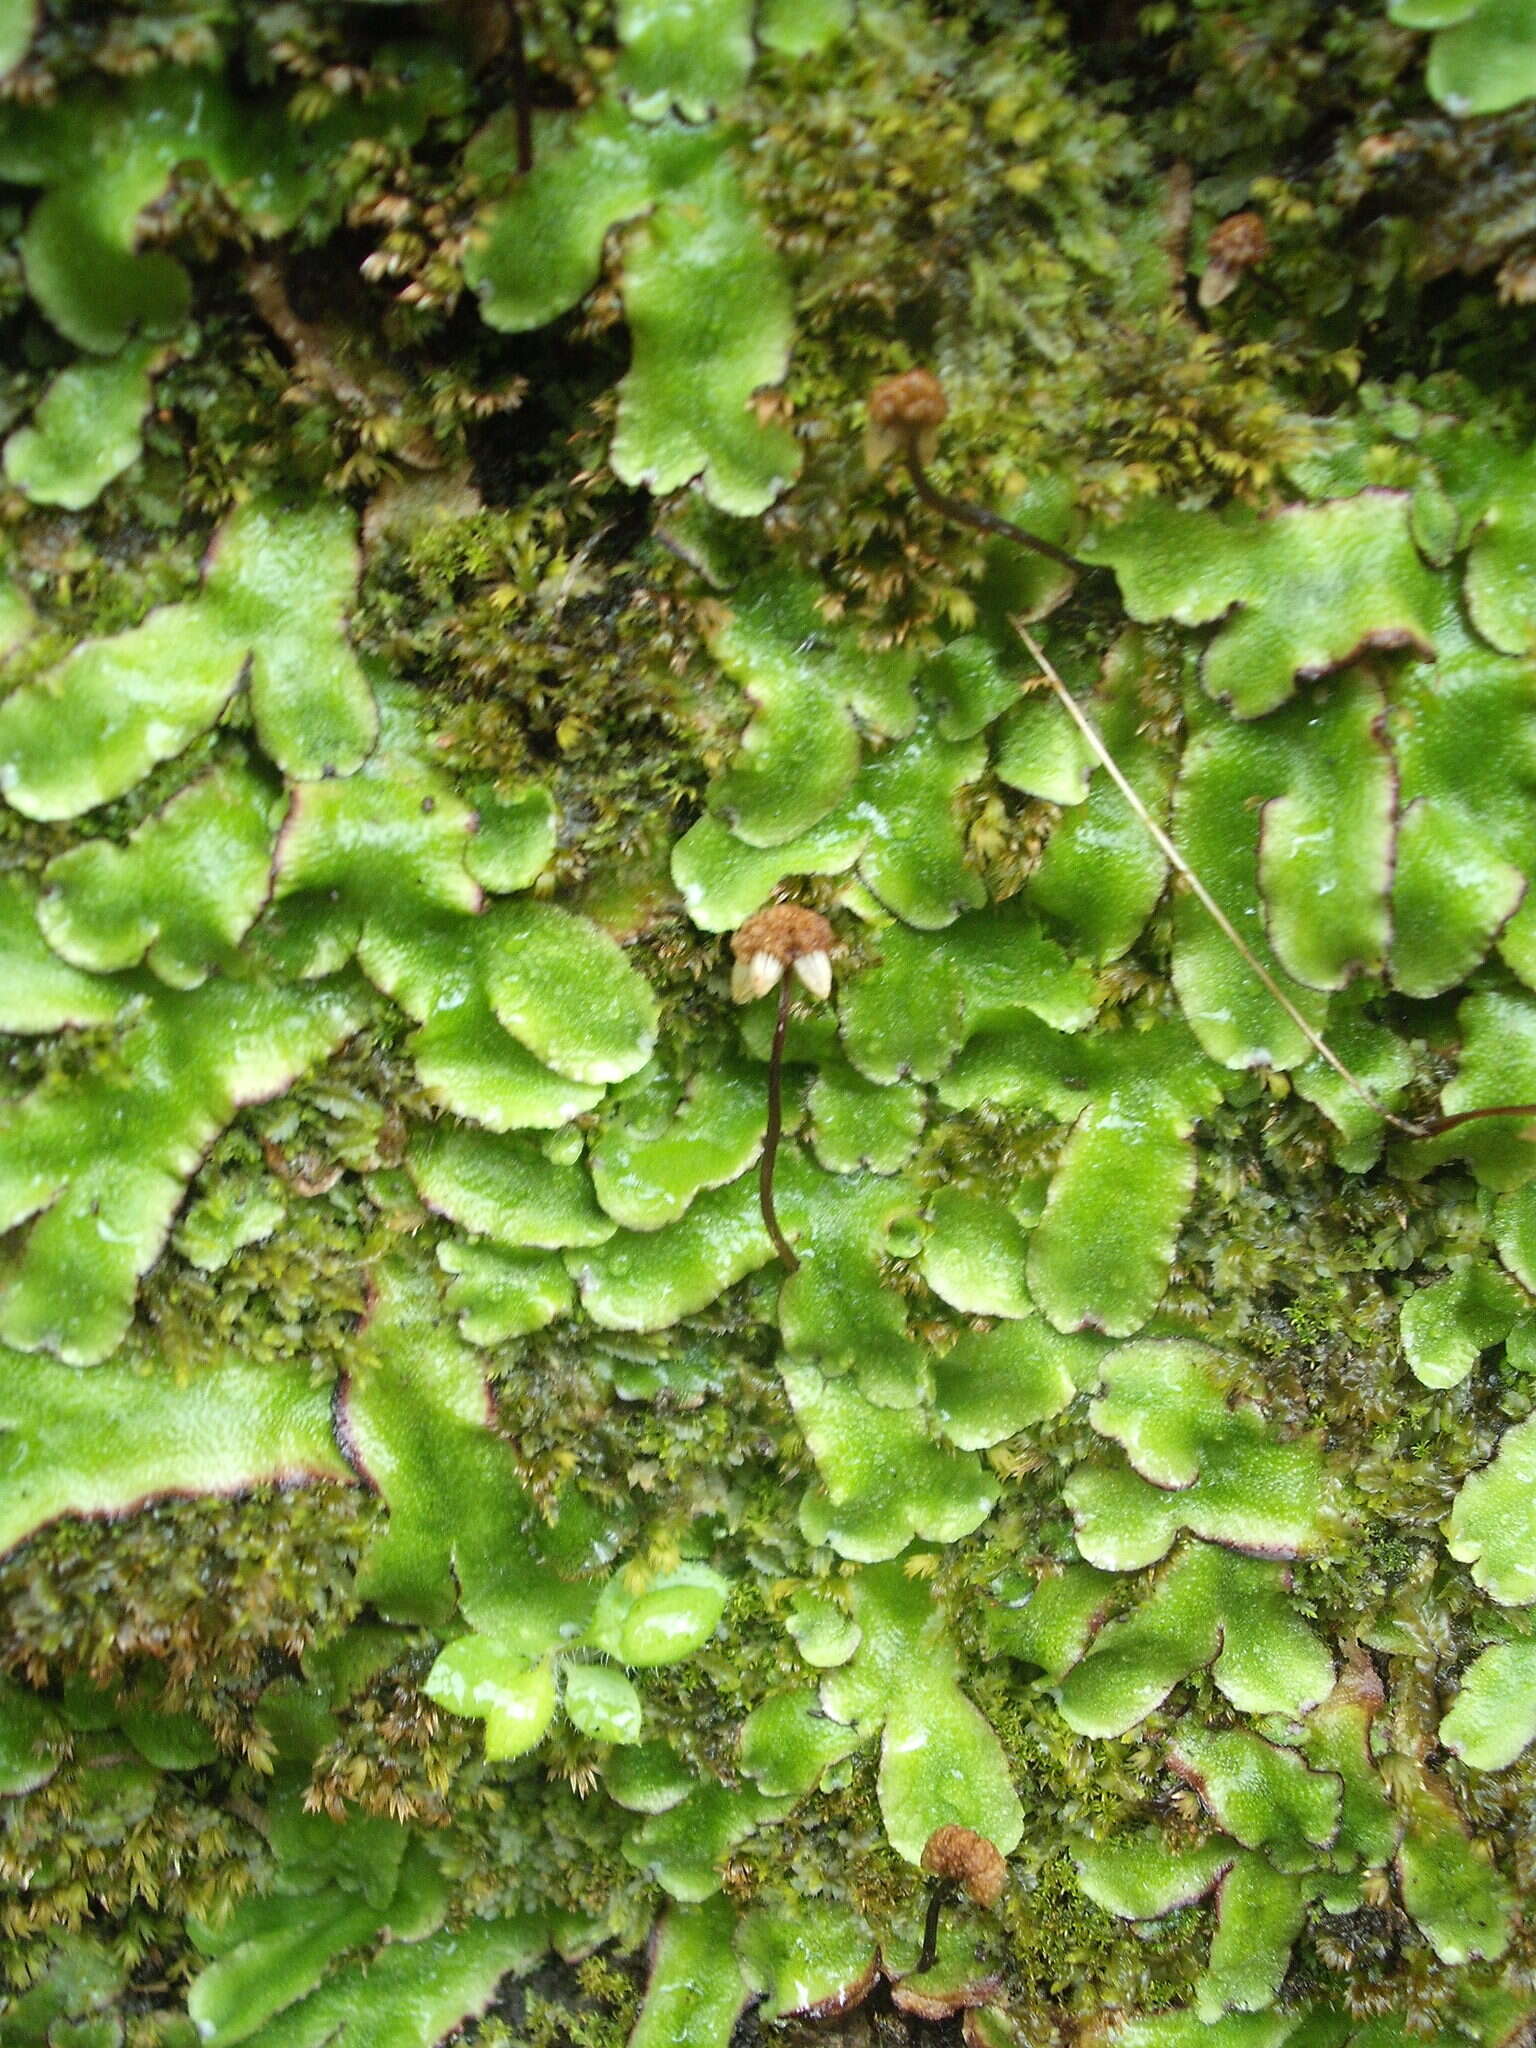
(549, 1461)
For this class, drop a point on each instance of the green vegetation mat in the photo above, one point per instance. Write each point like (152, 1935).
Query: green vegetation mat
(962, 1468)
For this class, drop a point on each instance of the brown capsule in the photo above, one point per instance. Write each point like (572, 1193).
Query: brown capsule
(782, 936)
(969, 1860)
(1236, 245)
(905, 412)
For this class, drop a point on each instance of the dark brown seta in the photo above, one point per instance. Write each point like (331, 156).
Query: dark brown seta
(771, 1134)
(905, 414)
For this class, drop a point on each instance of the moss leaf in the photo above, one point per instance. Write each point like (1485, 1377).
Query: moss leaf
(279, 585)
(1448, 1325)
(379, 863)
(429, 1986)
(370, 860)
(1498, 1065)
(27, 1756)
(1052, 1624)
(973, 1256)
(787, 1742)
(1308, 894)
(537, 251)
(1380, 1061)
(1514, 1234)
(1101, 1253)
(1100, 1256)
(711, 320)
(224, 1221)
(810, 1956)
(801, 28)
(647, 1168)
(497, 1294)
(1325, 844)
(18, 25)
(686, 1848)
(1259, 1913)
(1145, 1876)
(707, 302)
(41, 993)
(286, 1948)
(460, 1528)
(563, 988)
(126, 704)
(663, 1618)
(1041, 752)
(1497, 581)
(1483, 58)
(480, 1677)
(857, 1126)
(914, 857)
(1260, 1910)
(1264, 1796)
(920, 999)
(824, 1633)
(106, 155)
(515, 837)
(723, 880)
(467, 1062)
(994, 1383)
(644, 1281)
(1190, 2029)
(836, 1312)
(649, 1778)
(1460, 1901)
(1101, 876)
(1464, 737)
(602, 1703)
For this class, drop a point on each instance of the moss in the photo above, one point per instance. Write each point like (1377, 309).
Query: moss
(593, 2005)
(553, 647)
(125, 1850)
(1022, 199)
(207, 1591)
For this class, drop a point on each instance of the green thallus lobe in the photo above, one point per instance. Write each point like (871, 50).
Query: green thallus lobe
(905, 413)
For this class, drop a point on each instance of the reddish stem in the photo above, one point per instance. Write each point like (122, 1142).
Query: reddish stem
(930, 1949)
(977, 515)
(1437, 1126)
(781, 1243)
